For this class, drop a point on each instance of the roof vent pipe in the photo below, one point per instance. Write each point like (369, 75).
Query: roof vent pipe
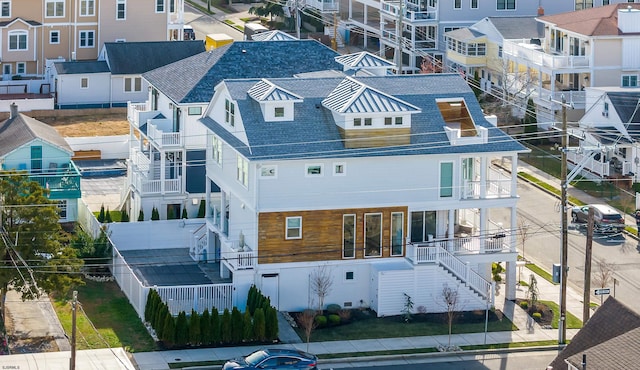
(14, 110)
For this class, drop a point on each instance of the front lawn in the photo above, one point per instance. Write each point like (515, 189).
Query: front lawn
(365, 325)
(115, 320)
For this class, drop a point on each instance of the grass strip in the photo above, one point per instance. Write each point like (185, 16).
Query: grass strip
(544, 274)
(572, 321)
(203, 9)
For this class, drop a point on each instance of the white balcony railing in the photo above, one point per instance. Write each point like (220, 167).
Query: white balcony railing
(239, 258)
(534, 54)
(411, 13)
(419, 252)
(323, 5)
(574, 97)
(597, 167)
(146, 186)
(163, 139)
(456, 138)
(139, 160)
(139, 113)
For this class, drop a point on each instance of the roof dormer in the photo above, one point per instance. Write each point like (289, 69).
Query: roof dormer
(276, 103)
(367, 117)
(365, 61)
(459, 125)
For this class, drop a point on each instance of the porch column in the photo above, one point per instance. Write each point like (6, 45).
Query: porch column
(162, 171)
(350, 9)
(510, 281)
(514, 175)
(483, 224)
(183, 173)
(513, 240)
(450, 229)
(223, 202)
(483, 177)
(207, 191)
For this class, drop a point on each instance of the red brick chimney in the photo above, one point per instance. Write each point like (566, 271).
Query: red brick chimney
(540, 11)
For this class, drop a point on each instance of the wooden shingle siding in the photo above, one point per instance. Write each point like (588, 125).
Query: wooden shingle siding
(374, 138)
(321, 235)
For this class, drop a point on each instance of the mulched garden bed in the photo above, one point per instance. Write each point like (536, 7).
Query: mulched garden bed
(547, 314)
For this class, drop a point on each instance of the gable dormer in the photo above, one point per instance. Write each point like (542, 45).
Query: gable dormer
(276, 103)
(367, 117)
(365, 61)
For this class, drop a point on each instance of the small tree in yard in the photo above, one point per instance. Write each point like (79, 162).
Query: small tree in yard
(216, 335)
(194, 328)
(321, 284)
(101, 214)
(182, 330)
(141, 215)
(225, 327)
(247, 327)
(408, 307)
(307, 321)
(604, 275)
(532, 292)
(107, 217)
(450, 298)
(259, 325)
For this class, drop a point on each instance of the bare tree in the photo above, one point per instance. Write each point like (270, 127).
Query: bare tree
(523, 227)
(532, 292)
(307, 321)
(321, 284)
(604, 275)
(450, 298)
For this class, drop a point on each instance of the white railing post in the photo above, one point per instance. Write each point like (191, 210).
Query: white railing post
(466, 270)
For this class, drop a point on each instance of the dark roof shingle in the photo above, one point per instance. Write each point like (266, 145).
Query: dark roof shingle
(141, 57)
(20, 130)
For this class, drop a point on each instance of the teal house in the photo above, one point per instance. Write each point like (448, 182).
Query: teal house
(27, 144)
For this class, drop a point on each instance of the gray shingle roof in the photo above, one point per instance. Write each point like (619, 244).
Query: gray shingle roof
(610, 320)
(192, 80)
(314, 133)
(518, 27)
(621, 352)
(140, 57)
(20, 130)
(80, 67)
(627, 105)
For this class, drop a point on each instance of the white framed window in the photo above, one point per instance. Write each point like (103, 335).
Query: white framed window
(230, 112)
(62, 209)
(397, 233)
(84, 83)
(54, 37)
(294, 227)
(348, 236)
(506, 5)
(172, 6)
(5, 9)
(629, 80)
(121, 9)
(87, 39)
(340, 169)
(474, 4)
(21, 68)
(278, 112)
(194, 111)
(242, 173)
(313, 170)
(368, 121)
(54, 8)
(6, 69)
(399, 120)
(269, 172)
(133, 84)
(18, 40)
(457, 4)
(159, 6)
(357, 121)
(388, 121)
(87, 8)
(216, 150)
(373, 234)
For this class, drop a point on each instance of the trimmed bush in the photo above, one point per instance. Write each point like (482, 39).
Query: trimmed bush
(259, 325)
(205, 328)
(124, 215)
(201, 210)
(184, 212)
(321, 321)
(155, 215)
(236, 326)
(216, 335)
(271, 324)
(334, 320)
(247, 327)
(169, 330)
(537, 316)
(182, 330)
(194, 328)
(225, 327)
(107, 217)
(101, 214)
(141, 215)
(333, 308)
(524, 305)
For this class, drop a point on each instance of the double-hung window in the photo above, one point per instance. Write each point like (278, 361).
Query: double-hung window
(54, 37)
(121, 9)
(294, 228)
(629, 80)
(159, 6)
(348, 236)
(5, 9)
(243, 171)
(87, 39)
(506, 4)
(230, 111)
(373, 235)
(18, 40)
(457, 4)
(474, 4)
(446, 179)
(87, 8)
(217, 150)
(54, 8)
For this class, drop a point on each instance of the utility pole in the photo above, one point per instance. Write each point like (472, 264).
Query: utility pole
(74, 303)
(564, 235)
(587, 270)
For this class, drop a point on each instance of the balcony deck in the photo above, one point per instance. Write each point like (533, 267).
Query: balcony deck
(535, 55)
(62, 183)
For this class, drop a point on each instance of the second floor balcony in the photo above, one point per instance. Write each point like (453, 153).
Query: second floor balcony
(63, 182)
(145, 185)
(536, 55)
(152, 123)
(411, 12)
(323, 5)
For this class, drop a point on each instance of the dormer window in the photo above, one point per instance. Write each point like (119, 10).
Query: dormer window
(230, 111)
(357, 121)
(276, 103)
(278, 112)
(367, 121)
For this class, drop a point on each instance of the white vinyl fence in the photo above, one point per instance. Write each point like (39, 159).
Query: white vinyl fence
(87, 220)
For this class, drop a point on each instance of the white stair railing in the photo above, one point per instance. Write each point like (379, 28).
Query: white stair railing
(462, 270)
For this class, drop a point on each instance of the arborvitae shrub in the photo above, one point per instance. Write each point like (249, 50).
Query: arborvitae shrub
(155, 215)
(225, 327)
(141, 215)
(194, 328)
(236, 325)
(124, 216)
(271, 324)
(182, 330)
(107, 217)
(216, 335)
(201, 210)
(101, 214)
(184, 212)
(259, 325)
(205, 328)
(169, 331)
(247, 327)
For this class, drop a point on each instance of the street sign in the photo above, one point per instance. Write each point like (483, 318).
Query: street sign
(602, 291)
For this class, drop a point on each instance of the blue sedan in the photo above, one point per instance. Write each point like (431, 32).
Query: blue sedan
(274, 359)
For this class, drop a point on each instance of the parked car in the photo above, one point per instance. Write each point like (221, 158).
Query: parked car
(274, 359)
(605, 218)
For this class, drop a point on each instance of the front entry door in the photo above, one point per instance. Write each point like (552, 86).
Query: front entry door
(269, 287)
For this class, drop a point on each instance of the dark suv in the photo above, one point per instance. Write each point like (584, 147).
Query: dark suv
(605, 218)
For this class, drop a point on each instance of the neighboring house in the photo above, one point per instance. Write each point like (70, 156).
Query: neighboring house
(476, 51)
(167, 160)
(609, 134)
(115, 79)
(82, 84)
(383, 183)
(609, 340)
(29, 145)
(424, 23)
(587, 48)
(34, 33)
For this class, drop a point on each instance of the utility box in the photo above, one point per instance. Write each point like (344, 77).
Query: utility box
(556, 273)
(216, 40)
